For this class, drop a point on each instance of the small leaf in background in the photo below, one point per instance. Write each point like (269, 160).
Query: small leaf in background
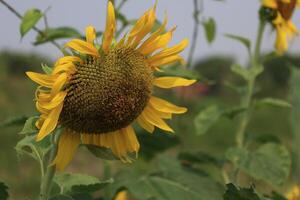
(61, 197)
(235, 193)
(206, 118)
(179, 71)
(101, 152)
(13, 121)
(199, 157)
(272, 102)
(79, 183)
(29, 126)
(29, 20)
(46, 69)
(245, 41)
(3, 191)
(241, 71)
(271, 162)
(210, 29)
(51, 34)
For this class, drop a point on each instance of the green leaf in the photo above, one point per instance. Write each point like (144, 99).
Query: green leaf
(29, 146)
(61, 197)
(51, 34)
(199, 157)
(101, 152)
(3, 191)
(179, 71)
(270, 162)
(272, 102)
(29, 126)
(241, 71)
(46, 69)
(210, 29)
(13, 121)
(29, 20)
(206, 118)
(276, 196)
(245, 41)
(235, 193)
(78, 183)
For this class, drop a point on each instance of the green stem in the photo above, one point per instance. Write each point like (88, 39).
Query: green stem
(246, 101)
(46, 183)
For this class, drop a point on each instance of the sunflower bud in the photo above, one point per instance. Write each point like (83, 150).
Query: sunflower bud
(267, 14)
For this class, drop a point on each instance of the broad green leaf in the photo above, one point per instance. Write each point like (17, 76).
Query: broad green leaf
(206, 118)
(101, 152)
(29, 20)
(199, 157)
(29, 126)
(82, 196)
(210, 29)
(3, 191)
(51, 34)
(78, 183)
(236, 193)
(270, 162)
(233, 111)
(245, 41)
(272, 102)
(276, 196)
(29, 146)
(13, 121)
(61, 197)
(46, 69)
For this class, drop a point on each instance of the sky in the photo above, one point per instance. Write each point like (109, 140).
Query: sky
(238, 17)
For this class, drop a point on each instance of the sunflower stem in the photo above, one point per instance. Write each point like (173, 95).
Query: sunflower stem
(46, 182)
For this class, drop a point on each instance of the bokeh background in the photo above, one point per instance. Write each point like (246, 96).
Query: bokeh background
(211, 61)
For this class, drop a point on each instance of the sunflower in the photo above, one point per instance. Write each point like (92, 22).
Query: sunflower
(99, 91)
(285, 28)
(294, 193)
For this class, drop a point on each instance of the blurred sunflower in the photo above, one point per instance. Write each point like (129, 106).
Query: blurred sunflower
(122, 195)
(285, 28)
(98, 92)
(294, 194)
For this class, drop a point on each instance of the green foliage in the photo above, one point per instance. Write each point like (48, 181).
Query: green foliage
(61, 197)
(270, 162)
(236, 193)
(3, 191)
(272, 102)
(46, 69)
(210, 29)
(30, 18)
(51, 34)
(101, 152)
(199, 157)
(245, 41)
(29, 126)
(247, 74)
(13, 121)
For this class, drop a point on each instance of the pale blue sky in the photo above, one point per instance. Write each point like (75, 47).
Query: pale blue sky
(233, 16)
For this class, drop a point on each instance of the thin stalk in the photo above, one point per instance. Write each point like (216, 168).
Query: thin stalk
(10, 8)
(246, 101)
(46, 183)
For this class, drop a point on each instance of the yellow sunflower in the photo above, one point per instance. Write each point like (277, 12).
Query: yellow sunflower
(97, 93)
(285, 28)
(294, 194)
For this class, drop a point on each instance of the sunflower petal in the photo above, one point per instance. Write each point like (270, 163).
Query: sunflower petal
(49, 123)
(67, 146)
(281, 43)
(130, 139)
(83, 47)
(68, 59)
(110, 28)
(166, 61)
(67, 67)
(42, 79)
(165, 106)
(58, 84)
(56, 101)
(155, 120)
(90, 34)
(145, 124)
(170, 82)
(270, 3)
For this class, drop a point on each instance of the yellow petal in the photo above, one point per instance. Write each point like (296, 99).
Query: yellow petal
(171, 50)
(56, 101)
(155, 120)
(68, 59)
(163, 115)
(145, 124)
(90, 34)
(82, 47)
(67, 67)
(67, 146)
(49, 123)
(270, 3)
(170, 82)
(59, 83)
(110, 27)
(298, 3)
(42, 79)
(166, 61)
(281, 43)
(130, 139)
(165, 106)
(123, 195)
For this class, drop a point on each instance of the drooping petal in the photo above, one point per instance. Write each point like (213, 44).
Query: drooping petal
(57, 100)
(83, 47)
(58, 84)
(129, 137)
(110, 27)
(166, 61)
(42, 79)
(123, 195)
(68, 59)
(67, 67)
(165, 106)
(90, 34)
(67, 146)
(281, 43)
(155, 120)
(270, 3)
(49, 123)
(162, 115)
(170, 82)
(145, 124)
